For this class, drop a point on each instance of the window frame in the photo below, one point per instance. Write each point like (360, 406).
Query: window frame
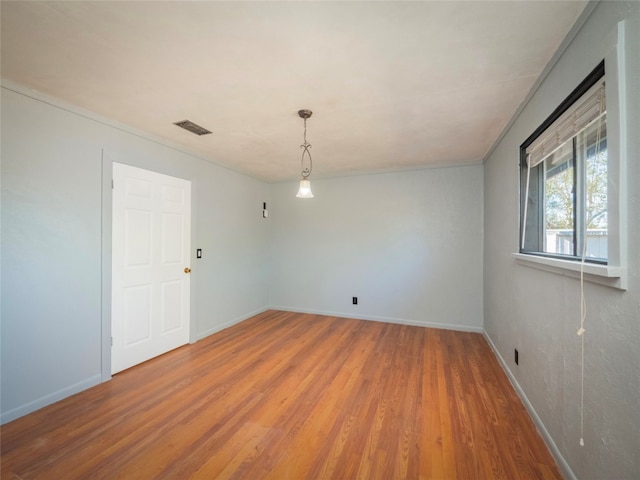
(596, 76)
(614, 274)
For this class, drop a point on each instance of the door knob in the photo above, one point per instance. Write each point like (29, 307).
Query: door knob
(187, 270)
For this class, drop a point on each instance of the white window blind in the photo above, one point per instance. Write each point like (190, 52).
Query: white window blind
(590, 107)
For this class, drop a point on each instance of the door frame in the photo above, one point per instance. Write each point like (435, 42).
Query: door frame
(139, 161)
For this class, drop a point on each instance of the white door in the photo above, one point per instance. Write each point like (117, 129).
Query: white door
(150, 255)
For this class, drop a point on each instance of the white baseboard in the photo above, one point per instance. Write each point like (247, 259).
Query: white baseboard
(553, 448)
(49, 399)
(375, 318)
(218, 328)
(97, 379)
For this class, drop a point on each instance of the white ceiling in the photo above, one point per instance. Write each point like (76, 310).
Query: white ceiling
(392, 85)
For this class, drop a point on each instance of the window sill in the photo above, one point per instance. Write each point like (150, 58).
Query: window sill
(610, 276)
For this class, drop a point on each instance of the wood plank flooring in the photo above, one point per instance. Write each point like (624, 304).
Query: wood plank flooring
(292, 396)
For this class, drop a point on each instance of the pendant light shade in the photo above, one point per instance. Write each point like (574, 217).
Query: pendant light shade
(305, 183)
(305, 189)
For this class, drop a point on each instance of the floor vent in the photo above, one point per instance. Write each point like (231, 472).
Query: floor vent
(192, 127)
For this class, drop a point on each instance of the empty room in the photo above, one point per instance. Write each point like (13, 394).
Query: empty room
(320, 240)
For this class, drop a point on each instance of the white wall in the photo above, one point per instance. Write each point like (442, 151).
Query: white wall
(407, 244)
(53, 342)
(538, 312)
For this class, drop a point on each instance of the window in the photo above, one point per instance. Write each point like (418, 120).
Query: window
(580, 160)
(564, 179)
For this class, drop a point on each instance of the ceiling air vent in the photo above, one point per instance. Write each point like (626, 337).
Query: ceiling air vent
(192, 127)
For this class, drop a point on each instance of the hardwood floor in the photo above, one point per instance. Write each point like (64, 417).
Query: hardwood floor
(292, 396)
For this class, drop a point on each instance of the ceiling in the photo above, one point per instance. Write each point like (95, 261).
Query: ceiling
(392, 85)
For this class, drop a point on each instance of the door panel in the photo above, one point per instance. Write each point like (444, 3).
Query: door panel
(137, 241)
(172, 300)
(150, 250)
(172, 242)
(137, 314)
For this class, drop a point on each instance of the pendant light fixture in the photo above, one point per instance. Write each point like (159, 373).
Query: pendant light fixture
(305, 183)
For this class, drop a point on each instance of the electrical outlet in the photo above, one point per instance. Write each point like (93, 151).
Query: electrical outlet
(355, 300)
(515, 350)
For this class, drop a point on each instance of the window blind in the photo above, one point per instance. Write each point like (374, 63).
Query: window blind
(590, 107)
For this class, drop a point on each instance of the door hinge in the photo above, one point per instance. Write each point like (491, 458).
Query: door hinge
(112, 341)
(111, 184)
